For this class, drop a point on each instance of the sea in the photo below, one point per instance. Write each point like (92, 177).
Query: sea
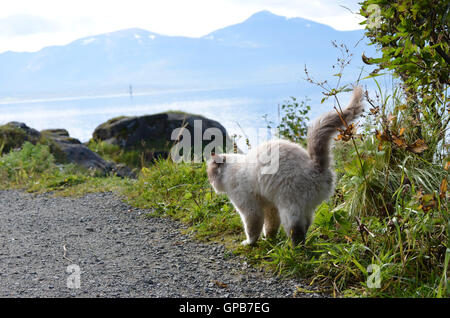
(244, 111)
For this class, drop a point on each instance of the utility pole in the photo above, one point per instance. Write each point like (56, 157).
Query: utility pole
(131, 93)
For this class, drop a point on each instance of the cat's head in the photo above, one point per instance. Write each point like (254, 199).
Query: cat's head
(216, 167)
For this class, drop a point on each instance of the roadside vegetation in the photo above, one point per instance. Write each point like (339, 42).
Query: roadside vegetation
(384, 233)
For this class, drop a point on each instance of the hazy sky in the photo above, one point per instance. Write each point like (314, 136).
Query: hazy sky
(29, 25)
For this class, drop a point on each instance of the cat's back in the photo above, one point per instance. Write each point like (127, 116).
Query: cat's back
(282, 152)
(292, 170)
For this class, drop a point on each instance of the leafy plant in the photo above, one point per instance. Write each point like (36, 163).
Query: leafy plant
(413, 40)
(294, 121)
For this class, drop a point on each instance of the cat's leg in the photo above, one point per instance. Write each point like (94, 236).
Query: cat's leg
(271, 221)
(295, 223)
(297, 231)
(251, 212)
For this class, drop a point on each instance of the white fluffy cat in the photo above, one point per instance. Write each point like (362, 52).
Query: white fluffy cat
(290, 194)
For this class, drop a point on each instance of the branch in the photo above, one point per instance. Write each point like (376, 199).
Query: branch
(443, 54)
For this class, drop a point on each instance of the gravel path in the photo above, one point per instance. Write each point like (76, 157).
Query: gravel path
(117, 253)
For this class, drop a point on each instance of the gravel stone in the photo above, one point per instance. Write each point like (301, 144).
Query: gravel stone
(119, 253)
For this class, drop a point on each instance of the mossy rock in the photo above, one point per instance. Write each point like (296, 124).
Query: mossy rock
(64, 148)
(14, 134)
(142, 139)
(60, 136)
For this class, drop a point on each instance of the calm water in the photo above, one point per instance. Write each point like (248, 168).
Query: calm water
(240, 110)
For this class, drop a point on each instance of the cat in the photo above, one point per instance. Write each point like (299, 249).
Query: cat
(289, 195)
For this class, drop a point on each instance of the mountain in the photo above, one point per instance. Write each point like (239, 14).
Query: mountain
(265, 48)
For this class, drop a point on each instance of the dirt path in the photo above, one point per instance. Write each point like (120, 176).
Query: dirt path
(115, 252)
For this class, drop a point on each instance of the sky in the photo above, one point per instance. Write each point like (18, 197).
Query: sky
(29, 25)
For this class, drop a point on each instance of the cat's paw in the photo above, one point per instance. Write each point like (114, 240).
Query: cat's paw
(247, 242)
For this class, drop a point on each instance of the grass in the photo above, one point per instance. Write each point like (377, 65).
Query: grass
(409, 246)
(384, 233)
(135, 157)
(34, 168)
(9, 137)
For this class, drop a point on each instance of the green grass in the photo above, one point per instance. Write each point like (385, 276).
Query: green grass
(10, 137)
(182, 191)
(409, 246)
(384, 233)
(134, 157)
(34, 168)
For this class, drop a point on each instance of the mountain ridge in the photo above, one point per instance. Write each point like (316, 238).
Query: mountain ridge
(263, 48)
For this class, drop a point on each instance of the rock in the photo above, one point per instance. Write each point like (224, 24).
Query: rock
(153, 132)
(31, 133)
(63, 147)
(14, 134)
(60, 136)
(75, 152)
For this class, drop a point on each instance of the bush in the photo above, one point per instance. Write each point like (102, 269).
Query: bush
(10, 138)
(29, 161)
(294, 121)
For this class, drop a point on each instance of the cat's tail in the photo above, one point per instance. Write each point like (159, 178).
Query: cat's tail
(321, 131)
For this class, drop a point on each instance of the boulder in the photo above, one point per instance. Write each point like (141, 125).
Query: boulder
(31, 133)
(66, 148)
(14, 134)
(154, 132)
(60, 136)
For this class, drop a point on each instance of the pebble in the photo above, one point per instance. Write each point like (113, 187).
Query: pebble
(117, 252)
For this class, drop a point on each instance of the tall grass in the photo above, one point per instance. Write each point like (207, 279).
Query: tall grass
(384, 233)
(34, 168)
(409, 244)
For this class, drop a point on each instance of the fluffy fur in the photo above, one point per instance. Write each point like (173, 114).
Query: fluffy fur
(290, 195)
